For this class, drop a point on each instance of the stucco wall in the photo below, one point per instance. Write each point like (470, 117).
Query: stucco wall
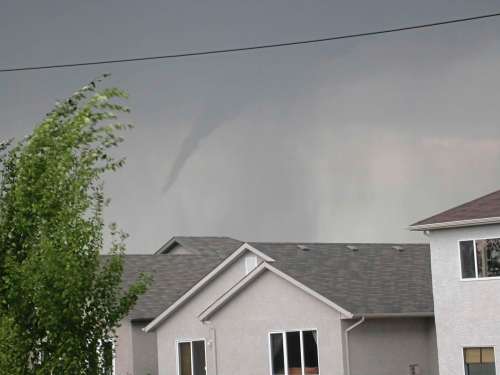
(272, 304)
(144, 350)
(136, 351)
(123, 351)
(388, 346)
(185, 325)
(467, 313)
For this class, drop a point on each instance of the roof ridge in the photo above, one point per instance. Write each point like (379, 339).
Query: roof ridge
(200, 236)
(338, 243)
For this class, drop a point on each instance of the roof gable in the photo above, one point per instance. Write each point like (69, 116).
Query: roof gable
(364, 279)
(249, 278)
(483, 210)
(191, 292)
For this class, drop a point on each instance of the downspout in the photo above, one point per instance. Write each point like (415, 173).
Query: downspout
(212, 344)
(346, 333)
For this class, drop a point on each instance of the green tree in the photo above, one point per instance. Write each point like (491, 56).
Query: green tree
(60, 300)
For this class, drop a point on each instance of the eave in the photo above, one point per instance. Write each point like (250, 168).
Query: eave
(455, 224)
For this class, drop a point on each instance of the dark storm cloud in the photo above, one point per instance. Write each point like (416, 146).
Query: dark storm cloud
(347, 141)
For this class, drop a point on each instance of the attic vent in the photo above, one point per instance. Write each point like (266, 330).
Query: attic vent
(352, 247)
(303, 247)
(250, 263)
(398, 248)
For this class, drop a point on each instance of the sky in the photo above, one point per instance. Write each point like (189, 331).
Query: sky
(348, 141)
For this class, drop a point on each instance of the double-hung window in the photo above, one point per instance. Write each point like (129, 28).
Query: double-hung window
(191, 357)
(294, 353)
(479, 361)
(480, 258)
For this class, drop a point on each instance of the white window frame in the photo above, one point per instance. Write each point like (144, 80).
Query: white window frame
(472, 346)
(285, 348)
(178, 357)
(476, 278)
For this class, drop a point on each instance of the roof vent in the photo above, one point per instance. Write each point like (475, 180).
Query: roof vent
(303, 247)
(398, 248)
(352, 247)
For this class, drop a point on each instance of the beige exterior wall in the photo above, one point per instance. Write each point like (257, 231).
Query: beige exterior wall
(272, 304)
(388, 346)
(123, 351)
(467, 312)
(185, 325)
(136, 351)
(145, 350)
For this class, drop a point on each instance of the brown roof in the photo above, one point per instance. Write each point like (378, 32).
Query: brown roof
(485, 207)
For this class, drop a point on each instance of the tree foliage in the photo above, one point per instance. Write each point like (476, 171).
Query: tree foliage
(60, 300)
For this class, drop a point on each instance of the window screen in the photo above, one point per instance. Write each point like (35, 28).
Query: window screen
(294, 353)
(277, 354)
(479, 361)
(480, 258)
(185, 358)
(192, 358)
(488, 257)
(310, 343)
(198, 350)
(467, 259)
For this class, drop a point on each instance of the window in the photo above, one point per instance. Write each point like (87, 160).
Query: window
(250, 263)
(108, 357)
(480, 258)
(479, 361)
(294, 353)
(191, 358)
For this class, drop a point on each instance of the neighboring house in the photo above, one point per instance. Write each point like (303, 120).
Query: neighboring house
(219, 306)
(465, 246)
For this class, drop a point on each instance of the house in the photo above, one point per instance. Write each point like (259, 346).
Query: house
(222, 306)
(465, 247)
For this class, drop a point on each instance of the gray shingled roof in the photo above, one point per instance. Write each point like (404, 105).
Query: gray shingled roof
(173, 275)
(375, 279)
(202, 245)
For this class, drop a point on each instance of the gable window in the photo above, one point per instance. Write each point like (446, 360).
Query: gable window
(480, 258)
(479, 361)
(294, 353)
(191, 358)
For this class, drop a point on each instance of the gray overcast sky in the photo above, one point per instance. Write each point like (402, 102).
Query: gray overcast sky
(344, 141)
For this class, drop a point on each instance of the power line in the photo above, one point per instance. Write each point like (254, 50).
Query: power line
(252, 48)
